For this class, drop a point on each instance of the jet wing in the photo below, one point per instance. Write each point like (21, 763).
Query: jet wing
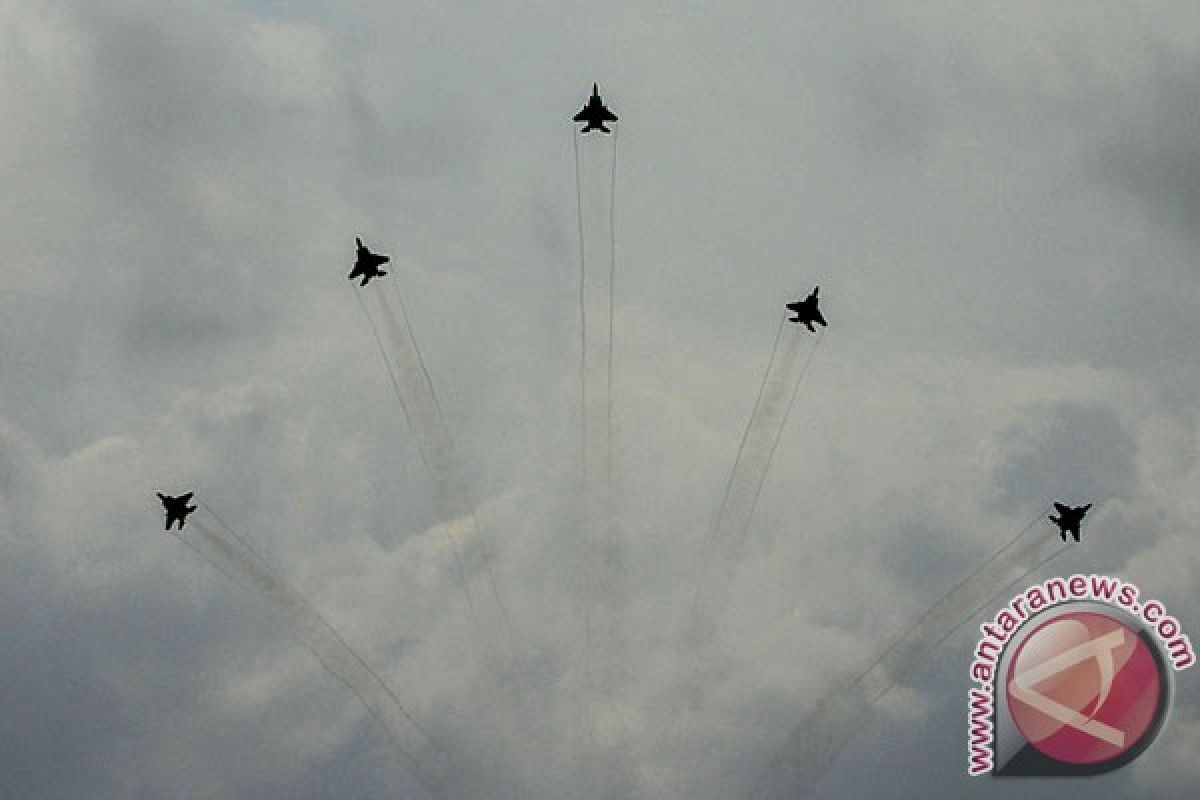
(1061, 508)
(608, 115)
(581, 116)
(817, 317)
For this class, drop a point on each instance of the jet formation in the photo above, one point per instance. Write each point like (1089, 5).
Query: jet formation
(595, 114)
(177, 508)
(806, 311)
(1068, 519)
(367, 264)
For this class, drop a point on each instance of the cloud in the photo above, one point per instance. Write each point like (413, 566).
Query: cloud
(1085, 451)
(995, 206)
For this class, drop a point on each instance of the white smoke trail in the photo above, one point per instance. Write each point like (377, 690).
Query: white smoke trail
(723, 547)
(232, 557)
(595, 184)
(776, 395)
(842, 712)
(601, 551)
(612, 306)
(423, 412)
(999, 593)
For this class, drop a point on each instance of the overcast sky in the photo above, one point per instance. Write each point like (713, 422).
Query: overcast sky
(1001, 206)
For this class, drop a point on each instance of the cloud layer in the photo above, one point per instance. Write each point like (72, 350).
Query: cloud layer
(998, 206)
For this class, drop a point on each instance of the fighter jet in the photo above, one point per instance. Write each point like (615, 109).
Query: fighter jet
(367, 264)
(177, 508)
(595, 114)
(1068, 519)
(806, 311)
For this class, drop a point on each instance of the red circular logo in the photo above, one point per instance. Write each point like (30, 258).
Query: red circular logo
(1084, 688)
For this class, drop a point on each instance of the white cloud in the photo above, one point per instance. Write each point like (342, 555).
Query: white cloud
(1010, 319)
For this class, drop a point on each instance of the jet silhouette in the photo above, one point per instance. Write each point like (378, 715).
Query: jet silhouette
(367, 264)
(1068, 519)
(177, 508)
(595, 114)
(806, 311)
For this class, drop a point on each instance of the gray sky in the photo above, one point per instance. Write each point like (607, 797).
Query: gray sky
(1000, 205)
